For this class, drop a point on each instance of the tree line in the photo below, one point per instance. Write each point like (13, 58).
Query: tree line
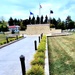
(58, 24)
(67, 24)
(23, 23)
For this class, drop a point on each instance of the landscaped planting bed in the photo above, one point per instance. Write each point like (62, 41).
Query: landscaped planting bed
(39, 59)
(61, 52)
(4, 41)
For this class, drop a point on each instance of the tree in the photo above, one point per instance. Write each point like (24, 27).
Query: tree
(3, 26)
(16, 22)
(58, 23)
(21, 25)
(70, 25)
(46, 19)
(54, 22)
(59, 20)
(33, 20)
(25, 23)
(63, 25)
(37, 20)
(29, 22)
(68, 19)
(51, 20)
(42, 19)
(11, 21)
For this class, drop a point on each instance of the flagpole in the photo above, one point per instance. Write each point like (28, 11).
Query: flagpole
(30, 17)
(50, 19)
(51, 12)
(39, 13)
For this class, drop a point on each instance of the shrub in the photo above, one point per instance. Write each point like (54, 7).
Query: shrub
(20, 36)
(4, 42)
(39, 61)
(39, 54)
(42, 45)
(36, 70)
(0, 43)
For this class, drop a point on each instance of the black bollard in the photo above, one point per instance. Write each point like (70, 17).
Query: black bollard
(7, 39)
(35, 44)
(22, 59)
(39, 39)
(41, 35)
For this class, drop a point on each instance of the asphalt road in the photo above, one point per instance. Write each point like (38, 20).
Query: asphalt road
(9, 56)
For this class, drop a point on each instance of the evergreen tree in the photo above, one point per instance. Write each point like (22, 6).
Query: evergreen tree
(42, 19)
(15, 21)
(54, 22)
(46, 19)
(29, 22)
(71, 25)
(68, 19)
(33, 20)
(11, 21)
(37, 20)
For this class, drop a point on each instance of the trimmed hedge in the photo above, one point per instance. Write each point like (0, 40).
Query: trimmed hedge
(39, 54)
(36, 70)
(39, 59)
(9, 40)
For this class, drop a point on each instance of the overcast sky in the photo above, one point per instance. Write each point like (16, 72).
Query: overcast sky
(20, 9)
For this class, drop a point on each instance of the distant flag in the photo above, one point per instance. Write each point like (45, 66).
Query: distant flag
(51, 11)
(40, 6)
(31, 13)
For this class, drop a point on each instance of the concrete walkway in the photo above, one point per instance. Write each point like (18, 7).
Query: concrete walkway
(9, 56)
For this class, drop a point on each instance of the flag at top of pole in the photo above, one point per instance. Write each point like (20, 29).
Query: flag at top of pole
(40, 6)
(31, 13)
(51, 11)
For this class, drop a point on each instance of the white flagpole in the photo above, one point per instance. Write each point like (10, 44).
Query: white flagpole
(40, 13)
(50, 18)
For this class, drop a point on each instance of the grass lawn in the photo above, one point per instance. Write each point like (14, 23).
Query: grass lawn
(2, 37)
(62, 55)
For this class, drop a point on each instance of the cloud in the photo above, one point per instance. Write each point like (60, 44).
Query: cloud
(20, 8)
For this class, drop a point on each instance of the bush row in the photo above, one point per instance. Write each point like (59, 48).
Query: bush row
(39, 59)
(9, 40)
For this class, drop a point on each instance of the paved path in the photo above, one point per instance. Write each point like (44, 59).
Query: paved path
(9, 56)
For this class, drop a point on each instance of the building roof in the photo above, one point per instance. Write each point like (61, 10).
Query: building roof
(13, 26)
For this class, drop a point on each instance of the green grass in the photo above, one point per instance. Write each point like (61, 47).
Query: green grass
(2, 37)
(62, 55)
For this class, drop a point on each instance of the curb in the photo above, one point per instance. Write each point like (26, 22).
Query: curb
(46, 61)
(10, 43)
